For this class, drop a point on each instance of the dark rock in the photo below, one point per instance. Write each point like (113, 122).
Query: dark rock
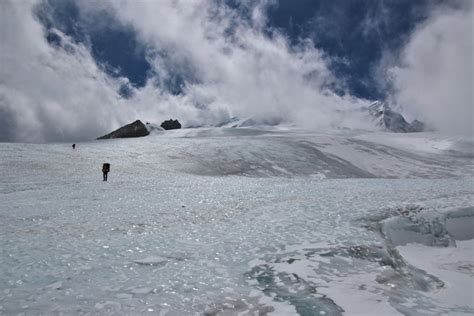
(395, 122)
(135, 129)
(417, 126)
(171, 124)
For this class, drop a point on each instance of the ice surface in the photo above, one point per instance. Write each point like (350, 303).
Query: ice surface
(237, 221)
(152, 260)
(454, 265)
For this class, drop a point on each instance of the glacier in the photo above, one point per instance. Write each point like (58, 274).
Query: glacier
(239, 221)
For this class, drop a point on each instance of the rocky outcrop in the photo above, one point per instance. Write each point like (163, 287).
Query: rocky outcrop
(171, 124)
(135, 129)
(417, 126)
(391, 120)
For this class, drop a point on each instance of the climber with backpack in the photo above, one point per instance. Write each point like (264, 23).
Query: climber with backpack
(105, 170)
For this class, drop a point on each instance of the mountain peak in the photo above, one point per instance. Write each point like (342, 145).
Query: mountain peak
(378, 107)
(134, 129)
(391, 120)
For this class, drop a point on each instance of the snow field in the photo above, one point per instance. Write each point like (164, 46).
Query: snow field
(277, 222)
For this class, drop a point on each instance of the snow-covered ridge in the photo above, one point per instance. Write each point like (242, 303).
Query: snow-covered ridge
(380, 114)
(388, 119)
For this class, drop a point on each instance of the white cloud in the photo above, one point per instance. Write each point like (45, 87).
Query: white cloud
(48, 94)
(246, 73)
(435, 79)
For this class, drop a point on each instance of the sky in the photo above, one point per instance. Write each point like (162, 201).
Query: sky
(75, 70)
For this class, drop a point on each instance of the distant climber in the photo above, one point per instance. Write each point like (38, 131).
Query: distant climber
(105, 170)
(73, 146)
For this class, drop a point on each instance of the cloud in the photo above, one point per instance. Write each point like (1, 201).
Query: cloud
(229, 67)
(238, 67)
(45, 92)
(434, 80)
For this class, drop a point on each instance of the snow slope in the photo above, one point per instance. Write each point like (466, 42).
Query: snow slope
(238, 221)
